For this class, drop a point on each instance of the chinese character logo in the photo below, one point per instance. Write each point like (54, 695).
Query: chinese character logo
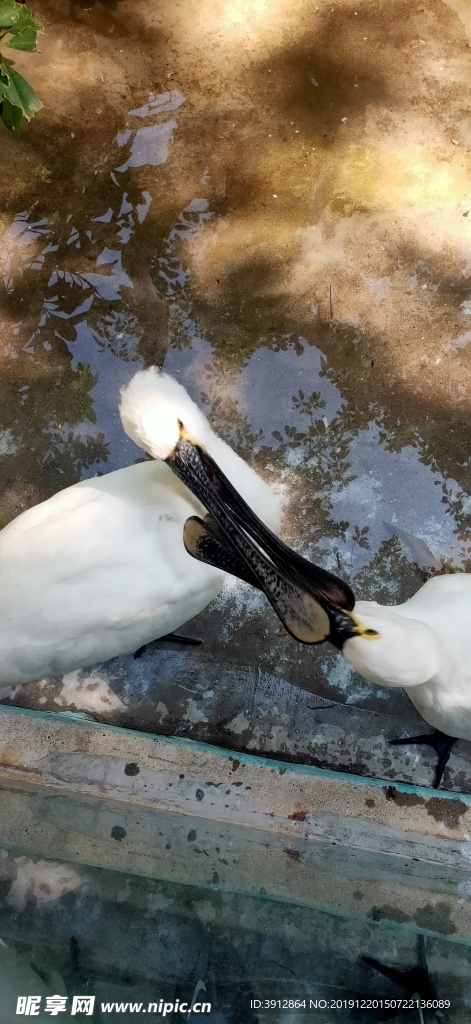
(28, 1005)
(55, 1005)
(83, 1004)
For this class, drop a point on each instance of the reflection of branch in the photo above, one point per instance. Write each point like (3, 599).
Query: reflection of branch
(233, 424)
(359, 537)
(76, 450)
(331, 448)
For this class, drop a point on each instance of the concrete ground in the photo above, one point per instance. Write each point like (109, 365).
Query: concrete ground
(273, 201)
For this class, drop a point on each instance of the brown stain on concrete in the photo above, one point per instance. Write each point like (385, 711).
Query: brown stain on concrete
(441, 809)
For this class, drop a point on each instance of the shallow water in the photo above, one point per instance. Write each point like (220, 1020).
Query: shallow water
(270, 201)
(73, 929)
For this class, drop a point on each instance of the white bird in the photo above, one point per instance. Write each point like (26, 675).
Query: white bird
(423, 645)
(100, 569)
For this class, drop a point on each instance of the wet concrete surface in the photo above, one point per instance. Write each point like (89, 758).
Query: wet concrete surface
(272, 201)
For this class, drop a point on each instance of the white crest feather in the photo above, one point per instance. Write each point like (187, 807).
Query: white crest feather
(151, 406)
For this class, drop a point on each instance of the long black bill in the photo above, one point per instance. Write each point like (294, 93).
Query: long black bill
(207, 542)
(312, 603)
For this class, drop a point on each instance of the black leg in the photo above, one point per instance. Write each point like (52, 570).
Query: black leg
(415, 981)
(442, 745)
(173, 638)
(180, 638)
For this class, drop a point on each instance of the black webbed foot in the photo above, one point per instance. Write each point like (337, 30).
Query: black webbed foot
(442, 745)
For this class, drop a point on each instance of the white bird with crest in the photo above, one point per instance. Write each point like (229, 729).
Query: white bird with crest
(100, 569)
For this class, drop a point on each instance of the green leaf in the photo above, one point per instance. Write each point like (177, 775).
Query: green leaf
(22, 95)
(17, 20)
(25, 40)
(11, 116)
(8, 12)
(17, 98)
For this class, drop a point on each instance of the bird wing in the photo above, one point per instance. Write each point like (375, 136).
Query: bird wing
(100, 558)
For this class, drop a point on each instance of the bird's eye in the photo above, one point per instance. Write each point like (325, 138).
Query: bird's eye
(371, 632)
(180, 424)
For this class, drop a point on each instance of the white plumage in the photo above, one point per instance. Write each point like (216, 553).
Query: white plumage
(100, 569)
(424, 646)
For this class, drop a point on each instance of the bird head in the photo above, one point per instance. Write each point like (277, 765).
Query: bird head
(157, 413)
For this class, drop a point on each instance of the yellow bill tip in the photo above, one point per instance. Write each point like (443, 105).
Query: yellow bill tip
(366, 632)
(185, 436)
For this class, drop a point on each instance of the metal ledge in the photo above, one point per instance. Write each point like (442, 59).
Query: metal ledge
(186, 812)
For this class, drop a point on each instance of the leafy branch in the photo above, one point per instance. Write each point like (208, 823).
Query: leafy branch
(17, 98)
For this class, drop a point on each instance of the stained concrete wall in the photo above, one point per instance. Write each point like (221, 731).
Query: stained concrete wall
(170, 862)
